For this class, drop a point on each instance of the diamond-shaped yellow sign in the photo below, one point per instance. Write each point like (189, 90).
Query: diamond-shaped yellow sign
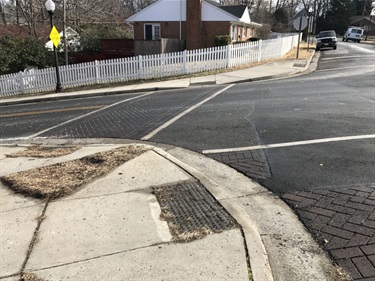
(55, 36)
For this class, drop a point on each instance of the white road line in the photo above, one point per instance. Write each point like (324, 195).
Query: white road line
(14, 139)
(357, 47)
(286, 144)
(174, 119)
(90, 113)
(342, 68)
(347, 58)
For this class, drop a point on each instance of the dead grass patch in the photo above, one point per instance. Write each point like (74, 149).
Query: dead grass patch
(339, 274)
(178, 235)
(62, 179)
(44, 151)
(305, 52)
(30, 277)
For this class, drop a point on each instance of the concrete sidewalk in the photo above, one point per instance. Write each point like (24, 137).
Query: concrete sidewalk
(113, 229)
(272, 70)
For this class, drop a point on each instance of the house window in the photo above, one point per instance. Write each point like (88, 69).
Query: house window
(152, 31)
(234, 32)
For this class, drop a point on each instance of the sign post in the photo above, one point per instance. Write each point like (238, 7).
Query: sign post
(299, 24)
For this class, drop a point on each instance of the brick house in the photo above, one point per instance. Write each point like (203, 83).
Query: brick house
(367, 23)
(197, 22)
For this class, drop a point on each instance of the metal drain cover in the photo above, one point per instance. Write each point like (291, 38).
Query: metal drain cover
(191, 211)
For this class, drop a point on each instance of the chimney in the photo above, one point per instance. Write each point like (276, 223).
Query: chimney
(193, 24)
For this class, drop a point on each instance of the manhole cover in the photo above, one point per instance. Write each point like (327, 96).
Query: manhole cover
(191, 211)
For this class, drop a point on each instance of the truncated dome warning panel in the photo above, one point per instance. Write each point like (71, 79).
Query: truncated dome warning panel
(191, 211)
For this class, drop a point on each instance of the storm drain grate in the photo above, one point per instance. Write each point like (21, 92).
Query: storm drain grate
(191, 211)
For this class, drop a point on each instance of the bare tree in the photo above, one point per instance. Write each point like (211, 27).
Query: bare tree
(134, 6)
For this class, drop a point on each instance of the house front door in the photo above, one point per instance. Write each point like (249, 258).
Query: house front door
(148, 32)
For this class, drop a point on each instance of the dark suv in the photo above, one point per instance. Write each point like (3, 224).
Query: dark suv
(326, 39)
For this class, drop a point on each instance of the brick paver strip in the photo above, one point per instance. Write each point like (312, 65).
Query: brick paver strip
(308, 215)
(347, 253)
(358, 240)
(322, 211)
(350, 268)
(372, 259)
(336, 243)
(369, 223)
(364, 266)
(342, 219)
(368, 250)
(339, 220)
(359, 217)
(359, 229)
(339, 232)
(319, 222)
(368, 202)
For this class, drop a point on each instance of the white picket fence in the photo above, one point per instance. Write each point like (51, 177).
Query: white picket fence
(145, 67)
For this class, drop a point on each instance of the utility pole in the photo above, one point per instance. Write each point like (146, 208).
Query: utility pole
(370, 24)
(363, 13)
(17, 12)
(65, 36)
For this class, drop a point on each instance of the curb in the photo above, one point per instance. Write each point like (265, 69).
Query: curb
(75, 96)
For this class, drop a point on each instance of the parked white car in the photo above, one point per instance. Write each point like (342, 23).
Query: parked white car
(353, 34)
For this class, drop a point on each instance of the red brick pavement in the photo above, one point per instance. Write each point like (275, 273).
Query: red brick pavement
(343, 221)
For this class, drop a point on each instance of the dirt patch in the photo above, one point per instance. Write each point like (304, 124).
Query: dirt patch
(338, 274)
(305, 52)
(44, 151)
(61, 179)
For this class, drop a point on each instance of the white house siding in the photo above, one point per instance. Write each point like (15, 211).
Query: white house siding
(163, 10)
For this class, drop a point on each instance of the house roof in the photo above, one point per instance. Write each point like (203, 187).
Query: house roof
(358, 19)
(237, 11)
(175, 10)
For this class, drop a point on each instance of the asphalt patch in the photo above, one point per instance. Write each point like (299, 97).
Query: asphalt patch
(191, 212)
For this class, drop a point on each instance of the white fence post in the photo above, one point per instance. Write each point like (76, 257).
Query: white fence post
(97, 72)
(282, 47)
(184, 62)
(21, 83)
(140, 67)
(260, 50)
(228, 55)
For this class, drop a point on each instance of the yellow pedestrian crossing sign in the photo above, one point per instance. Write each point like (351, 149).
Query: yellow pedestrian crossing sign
(55, 37)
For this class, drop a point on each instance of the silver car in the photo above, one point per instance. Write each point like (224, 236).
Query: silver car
(326, 39)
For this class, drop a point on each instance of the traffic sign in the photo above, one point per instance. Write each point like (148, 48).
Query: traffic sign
(300, 22)
(55, 37)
